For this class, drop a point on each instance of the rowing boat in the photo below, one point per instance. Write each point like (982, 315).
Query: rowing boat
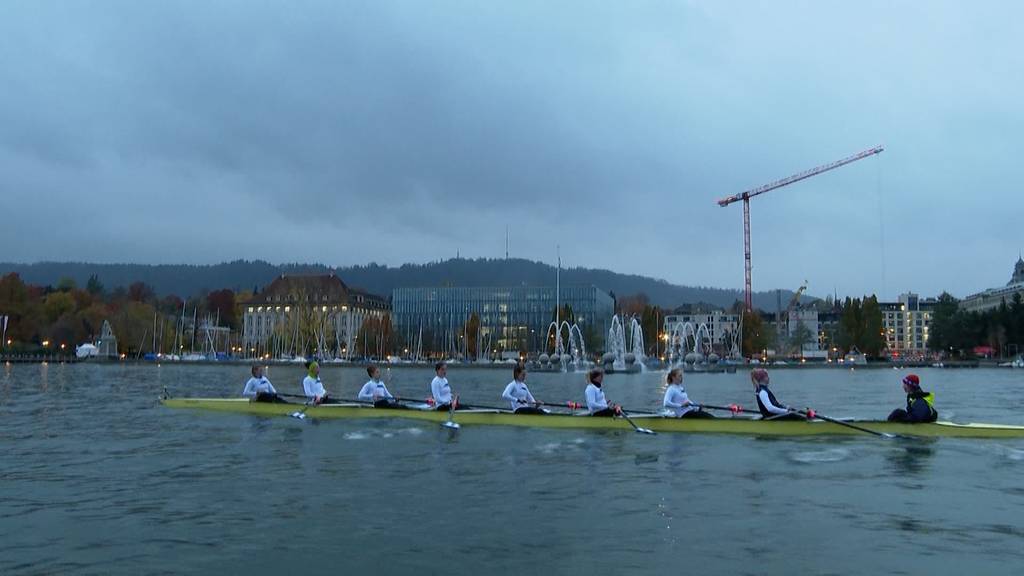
(727, 425)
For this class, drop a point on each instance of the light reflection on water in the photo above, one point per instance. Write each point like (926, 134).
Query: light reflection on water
(97, 477)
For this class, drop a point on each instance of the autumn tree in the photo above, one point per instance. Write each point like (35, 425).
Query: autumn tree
(141, 292)
(221, 303)
(755, 334)
(94, 286)
(471, 330)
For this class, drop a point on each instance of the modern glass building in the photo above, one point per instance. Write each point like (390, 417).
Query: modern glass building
(512, 319)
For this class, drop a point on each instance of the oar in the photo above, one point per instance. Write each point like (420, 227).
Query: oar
(571, 405)
(633, 424)
(734, 408)
(451, 424)
(624, 414)
(485, 407)
(501, 408)
(813, 415)
(301, 414)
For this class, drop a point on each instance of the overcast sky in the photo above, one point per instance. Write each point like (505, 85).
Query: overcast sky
(350, 132)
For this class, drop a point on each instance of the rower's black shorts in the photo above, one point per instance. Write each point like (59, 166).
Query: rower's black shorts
(529, 410)
(790, 416)
(605, 412)
(270, 397)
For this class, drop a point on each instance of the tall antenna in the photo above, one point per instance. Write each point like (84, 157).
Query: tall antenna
(506, 241)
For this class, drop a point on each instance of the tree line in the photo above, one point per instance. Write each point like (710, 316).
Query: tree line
(958, 333)
(59, 317)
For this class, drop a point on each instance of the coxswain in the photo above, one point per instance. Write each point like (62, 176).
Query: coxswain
(597, 404)
(920, 404)
(311, 385)
(440, 392)
(519, 396)
(375, 391)
(766, 402)
(677, 400)
(259, 389)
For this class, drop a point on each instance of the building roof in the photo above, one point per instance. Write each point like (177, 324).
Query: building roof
(326, 289)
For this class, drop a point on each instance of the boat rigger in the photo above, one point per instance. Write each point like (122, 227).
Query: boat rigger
(658, 423)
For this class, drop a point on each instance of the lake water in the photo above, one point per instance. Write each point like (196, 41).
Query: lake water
(97, 478)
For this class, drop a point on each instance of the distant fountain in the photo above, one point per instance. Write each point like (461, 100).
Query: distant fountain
(617, 345)
(638, 344)
(690, 345)
(568, 351)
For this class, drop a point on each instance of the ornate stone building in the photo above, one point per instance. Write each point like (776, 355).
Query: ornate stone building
(301, 314)
(993, 297)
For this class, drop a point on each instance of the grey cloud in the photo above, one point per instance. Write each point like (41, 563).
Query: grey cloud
(406, 131)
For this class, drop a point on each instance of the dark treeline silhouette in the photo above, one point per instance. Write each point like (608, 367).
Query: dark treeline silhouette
(242, 275)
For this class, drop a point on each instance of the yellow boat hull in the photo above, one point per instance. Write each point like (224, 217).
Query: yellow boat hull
(725, 425)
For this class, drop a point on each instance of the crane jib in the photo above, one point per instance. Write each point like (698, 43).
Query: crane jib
(746, 195)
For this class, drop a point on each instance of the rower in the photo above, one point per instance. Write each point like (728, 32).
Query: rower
(677, 400)
(597, 404)
(375, 391)
(440, 392)
(259, 389)
(920, 404)
(766, 402)
(311, 385)
(519, 395)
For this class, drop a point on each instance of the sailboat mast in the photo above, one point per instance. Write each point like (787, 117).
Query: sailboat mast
(558, 296)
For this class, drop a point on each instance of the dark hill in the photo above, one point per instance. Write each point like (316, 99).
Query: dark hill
(186, 280)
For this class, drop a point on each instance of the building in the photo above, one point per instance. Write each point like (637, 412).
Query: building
(296, 315)
(511, 319)
(785, 335)
(828, 330)
(993, 297)
(723, 330)
(906, 323)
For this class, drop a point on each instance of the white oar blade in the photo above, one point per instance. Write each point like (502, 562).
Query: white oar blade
(451, 425)
(298, 415)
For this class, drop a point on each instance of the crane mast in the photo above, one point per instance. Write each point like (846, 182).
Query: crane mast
(748, 194)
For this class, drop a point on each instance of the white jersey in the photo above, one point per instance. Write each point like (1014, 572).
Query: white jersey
(258, 386)
(440, 391)
(374, 390)
(677, 400)
(518, 394)
(595, 398)
(313, 387)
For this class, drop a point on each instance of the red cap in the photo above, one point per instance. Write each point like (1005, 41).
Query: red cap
(912, 380)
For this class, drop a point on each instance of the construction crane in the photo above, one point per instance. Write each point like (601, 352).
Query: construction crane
(746, 196)
(796, 298)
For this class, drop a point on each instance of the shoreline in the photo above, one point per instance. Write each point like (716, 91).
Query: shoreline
(533, 366)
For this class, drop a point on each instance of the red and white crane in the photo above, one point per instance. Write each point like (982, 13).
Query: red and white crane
(747, 195)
